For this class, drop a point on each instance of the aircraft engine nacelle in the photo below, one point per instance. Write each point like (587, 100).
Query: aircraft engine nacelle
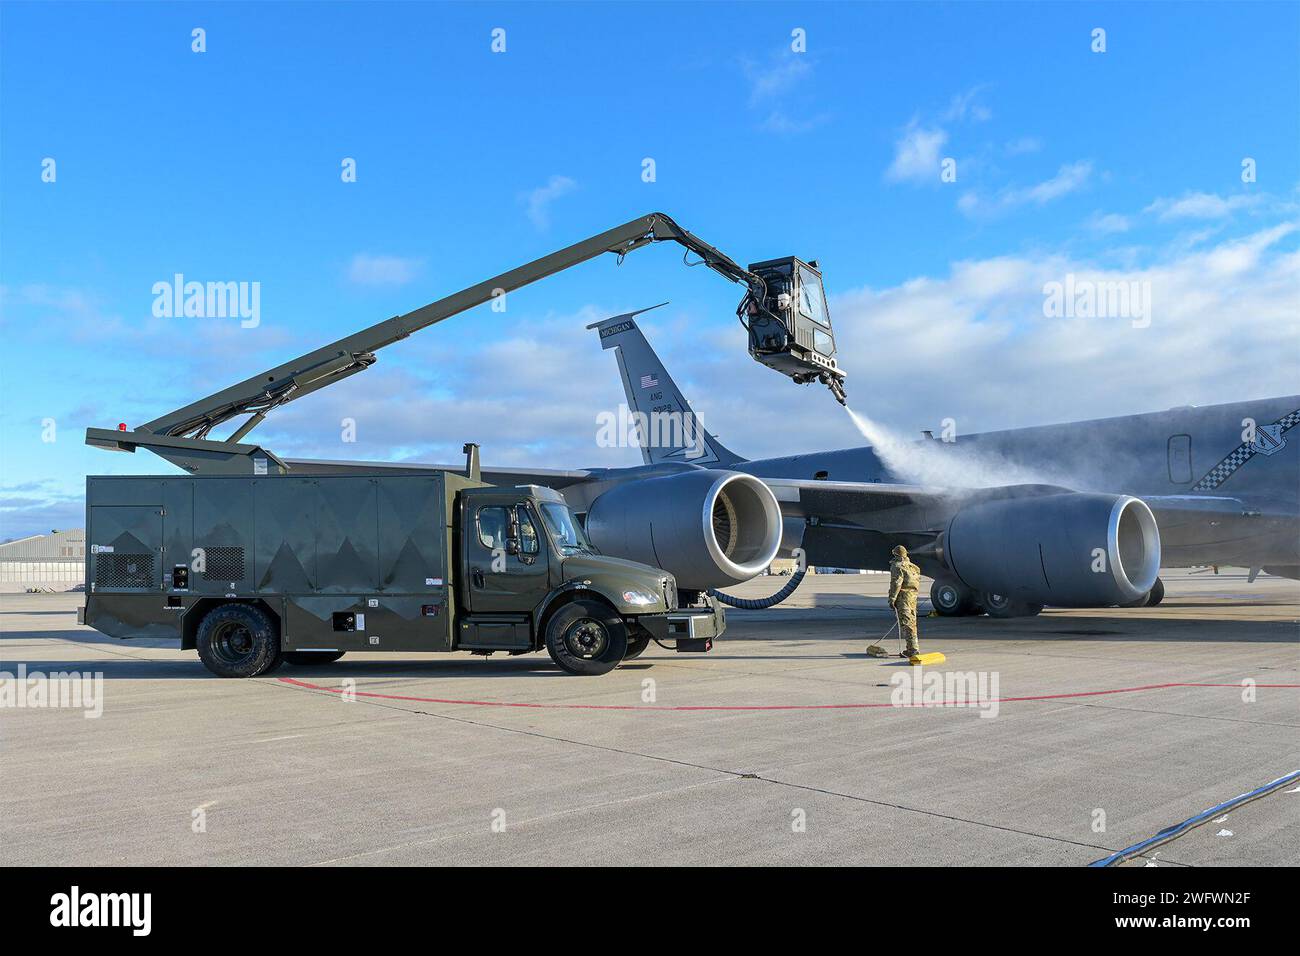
(1067, 550)
(710, 528)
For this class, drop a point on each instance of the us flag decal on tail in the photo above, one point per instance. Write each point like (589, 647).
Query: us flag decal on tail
(649, 381)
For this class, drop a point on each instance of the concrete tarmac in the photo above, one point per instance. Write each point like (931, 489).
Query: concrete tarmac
(1095, 730)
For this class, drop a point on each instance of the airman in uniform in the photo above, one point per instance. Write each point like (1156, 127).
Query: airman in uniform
(904, 580)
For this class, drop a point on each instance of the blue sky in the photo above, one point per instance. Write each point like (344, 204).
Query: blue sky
(225, 166)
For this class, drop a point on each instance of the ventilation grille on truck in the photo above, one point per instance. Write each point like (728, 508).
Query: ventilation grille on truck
(124, 571)
(223, 564)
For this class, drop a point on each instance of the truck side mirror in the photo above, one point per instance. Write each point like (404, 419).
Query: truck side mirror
(512, 536)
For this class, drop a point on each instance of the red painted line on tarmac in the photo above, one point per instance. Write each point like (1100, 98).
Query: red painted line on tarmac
(745, 707)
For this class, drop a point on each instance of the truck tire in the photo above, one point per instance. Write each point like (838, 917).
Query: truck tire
(238, 640)
(586, 638)
(307, 658)
(636, 647)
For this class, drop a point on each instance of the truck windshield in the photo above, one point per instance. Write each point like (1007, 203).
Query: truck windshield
(564, 530)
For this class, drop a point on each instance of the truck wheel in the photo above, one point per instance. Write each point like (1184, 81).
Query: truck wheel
(951, 599)
(586, 638)
(636, 647)
(238, 640)
(307, 658)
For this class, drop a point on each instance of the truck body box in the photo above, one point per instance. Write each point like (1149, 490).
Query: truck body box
(348, 562)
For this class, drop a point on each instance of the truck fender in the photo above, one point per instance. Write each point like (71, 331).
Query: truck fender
(192, 616)
(566, 593)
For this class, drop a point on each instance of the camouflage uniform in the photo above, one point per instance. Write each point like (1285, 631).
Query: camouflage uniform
(904, 580)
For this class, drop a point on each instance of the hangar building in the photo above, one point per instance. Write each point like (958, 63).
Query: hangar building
(54, 561)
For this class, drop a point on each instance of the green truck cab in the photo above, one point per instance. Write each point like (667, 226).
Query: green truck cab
(252, 571)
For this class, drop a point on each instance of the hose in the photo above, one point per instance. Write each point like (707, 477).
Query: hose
(1178, 829)
(751, 604)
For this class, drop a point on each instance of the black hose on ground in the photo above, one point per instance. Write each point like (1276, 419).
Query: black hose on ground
(750, 604)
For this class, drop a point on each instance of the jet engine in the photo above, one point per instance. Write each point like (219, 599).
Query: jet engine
(1067, 549)
(709, 527)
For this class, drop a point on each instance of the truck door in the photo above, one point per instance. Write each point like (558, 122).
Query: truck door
(506, 562)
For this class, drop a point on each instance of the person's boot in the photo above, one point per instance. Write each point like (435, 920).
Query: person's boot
(911, 652)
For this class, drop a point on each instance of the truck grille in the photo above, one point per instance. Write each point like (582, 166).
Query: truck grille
(124, 571)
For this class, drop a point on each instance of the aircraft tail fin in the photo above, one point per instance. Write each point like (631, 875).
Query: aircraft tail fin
(667, 428)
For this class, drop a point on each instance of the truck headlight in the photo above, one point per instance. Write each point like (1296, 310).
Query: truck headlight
(641, 598)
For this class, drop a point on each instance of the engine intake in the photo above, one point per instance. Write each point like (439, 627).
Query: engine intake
(710, 528)
(1068, 549)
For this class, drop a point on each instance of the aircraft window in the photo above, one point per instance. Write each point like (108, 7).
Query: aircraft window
(492, 526)
(527, 531)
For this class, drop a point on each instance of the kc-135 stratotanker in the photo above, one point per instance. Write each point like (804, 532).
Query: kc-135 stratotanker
(1080, 514)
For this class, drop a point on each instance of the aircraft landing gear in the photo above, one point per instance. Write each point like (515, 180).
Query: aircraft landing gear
(1157, 593)
(1151, 598)
(999, 605)
(952, 599)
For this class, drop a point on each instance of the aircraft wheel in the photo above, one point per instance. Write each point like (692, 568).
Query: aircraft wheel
(586, 638)
(1156, 594)
(1151, 598)
(951, 599)
(999, 605)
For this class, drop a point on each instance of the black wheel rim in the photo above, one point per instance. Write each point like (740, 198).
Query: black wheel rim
(997, 602)
(233, 644)
(586, 638)
(947, 596)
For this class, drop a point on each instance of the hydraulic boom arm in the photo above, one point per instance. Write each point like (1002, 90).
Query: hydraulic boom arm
(188, 428)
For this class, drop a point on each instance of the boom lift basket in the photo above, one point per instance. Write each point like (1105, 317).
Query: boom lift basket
(790, 329)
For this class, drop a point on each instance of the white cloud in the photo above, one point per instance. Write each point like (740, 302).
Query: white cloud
(779, 76)
(1198, 205)
(1222, 328)
(1023, 145)
(788, 124)
(916, 154)
(367, 269)
(1104, 224)
(967, 106)
(538, 201)
(1069, 178)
